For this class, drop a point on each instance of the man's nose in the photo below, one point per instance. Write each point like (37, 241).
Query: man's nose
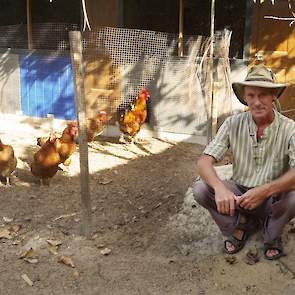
(256, 100)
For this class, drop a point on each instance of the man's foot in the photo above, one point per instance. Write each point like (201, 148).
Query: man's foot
(274, 250)
(237, 241)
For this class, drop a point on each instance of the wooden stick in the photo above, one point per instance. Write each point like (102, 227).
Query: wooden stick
(180, 34)
(29, 25)
(78, 71)
(211, 104)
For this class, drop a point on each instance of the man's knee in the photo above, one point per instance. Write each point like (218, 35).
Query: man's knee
(201, 192)
(285, 206)
(290, 204)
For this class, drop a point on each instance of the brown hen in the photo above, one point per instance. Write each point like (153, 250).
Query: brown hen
(46, 160)
(8, 161)
(96, 125)
(66, 143)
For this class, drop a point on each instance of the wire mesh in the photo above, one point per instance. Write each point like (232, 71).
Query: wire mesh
(119, 62)
(47, 36)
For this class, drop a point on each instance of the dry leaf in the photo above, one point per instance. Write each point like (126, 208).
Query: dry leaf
(66, 260)
(53, 250)
(5, 233)
(100, 245)
(27, 279)
(7, 219)
(15, 228)
(54, 242)
(76, 274)
(106, 251)
(29, 253)
(64, 216)
(105, 181)
(31, 260)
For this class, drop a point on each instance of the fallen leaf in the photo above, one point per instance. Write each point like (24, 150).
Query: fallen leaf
(31, 260)
(54, 242)
(27, 279)
(105, 251)
(169, 196)
(94, 236)
(64, 216)
(53, 249)
(66, 260)
(104, 181)
(100, 245)
(5, 233)
(76, 274)
(7, 219)
(157, 206)
(29, 253)
(15, 228)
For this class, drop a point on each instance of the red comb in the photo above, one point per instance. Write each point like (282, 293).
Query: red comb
(73, 124)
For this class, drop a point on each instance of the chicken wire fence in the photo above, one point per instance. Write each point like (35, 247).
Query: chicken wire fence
(119, 62)
(47, 36)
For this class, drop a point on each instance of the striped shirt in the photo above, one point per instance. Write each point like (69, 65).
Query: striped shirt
(255, 162)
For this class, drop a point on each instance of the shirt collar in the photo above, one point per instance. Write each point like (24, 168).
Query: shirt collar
(269, 129)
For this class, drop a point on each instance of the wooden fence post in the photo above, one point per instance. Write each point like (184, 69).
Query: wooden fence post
(29, 24)
(180, 29)
(78, 71)
(211, 69)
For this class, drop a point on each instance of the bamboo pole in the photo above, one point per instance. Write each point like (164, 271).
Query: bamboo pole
(78, 71)
(211, 105)
(29, 25)
(180, 34)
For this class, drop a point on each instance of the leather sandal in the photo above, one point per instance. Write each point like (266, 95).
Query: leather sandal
(238, 243)
(274, 245)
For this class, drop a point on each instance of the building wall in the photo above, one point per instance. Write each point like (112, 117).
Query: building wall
(10, 99)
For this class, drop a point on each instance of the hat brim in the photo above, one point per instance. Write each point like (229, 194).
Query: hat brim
(238, 88)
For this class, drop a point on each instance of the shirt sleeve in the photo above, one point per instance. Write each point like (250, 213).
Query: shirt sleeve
(292, 152)
(220, 144)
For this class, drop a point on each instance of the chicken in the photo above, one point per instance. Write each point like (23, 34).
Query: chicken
(8, 161)
(66, 145)
(130, 119)
(46, 160)
(95, 126)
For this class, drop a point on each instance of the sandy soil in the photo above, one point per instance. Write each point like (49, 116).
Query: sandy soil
(148, 235)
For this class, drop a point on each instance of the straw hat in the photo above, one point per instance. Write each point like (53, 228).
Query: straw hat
(259, 76)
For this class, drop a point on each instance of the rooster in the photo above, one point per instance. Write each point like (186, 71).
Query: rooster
(66, 145)
(96, 125)
(8, 161)
(131, 118)
(46, 160)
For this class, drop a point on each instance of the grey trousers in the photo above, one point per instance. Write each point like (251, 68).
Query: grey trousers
(272, 215)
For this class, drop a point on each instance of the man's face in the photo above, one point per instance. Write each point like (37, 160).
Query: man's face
(260, 101)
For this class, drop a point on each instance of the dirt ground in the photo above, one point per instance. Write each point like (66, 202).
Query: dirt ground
(148, 235)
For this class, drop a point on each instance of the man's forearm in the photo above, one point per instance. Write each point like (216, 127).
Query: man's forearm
(282, 184)
(207, 172)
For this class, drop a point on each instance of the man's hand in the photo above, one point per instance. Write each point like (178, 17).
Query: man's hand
(252, 198)
(225, 201)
